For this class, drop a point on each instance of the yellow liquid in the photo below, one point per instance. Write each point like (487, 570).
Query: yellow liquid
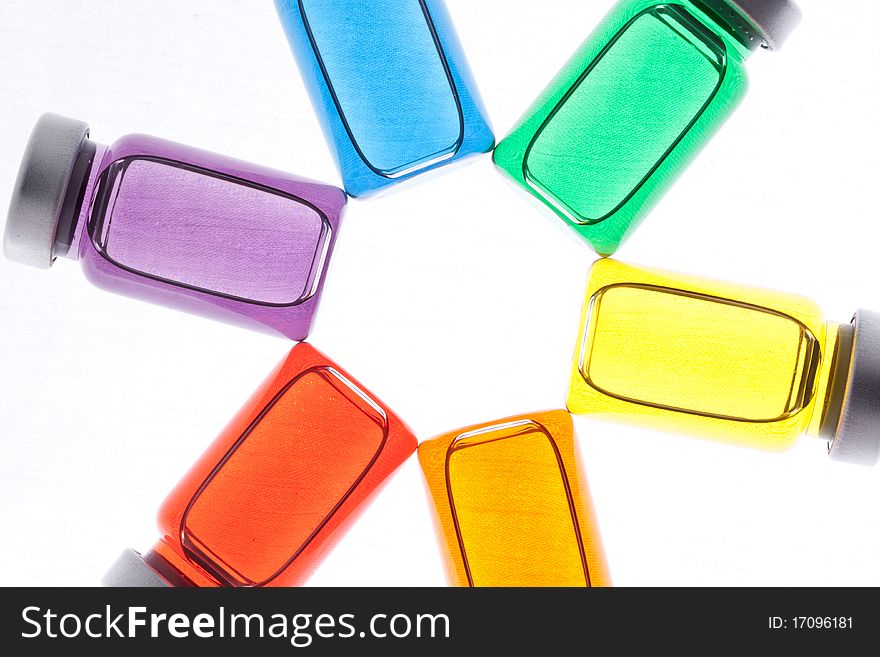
(710, 358)
(510, 504)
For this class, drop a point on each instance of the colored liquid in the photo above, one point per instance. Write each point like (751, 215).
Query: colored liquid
(282, 480)
(514, 511)
(389, 80)
(702, 357)
(625, 114)
(698, 354)
(512, 507)
(191, 227)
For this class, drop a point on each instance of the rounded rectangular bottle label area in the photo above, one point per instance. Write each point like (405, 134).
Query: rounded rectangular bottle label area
(202, 230)
(382, 62)
(512, 508)
(283, 479)
(697, 354)
(625, 114)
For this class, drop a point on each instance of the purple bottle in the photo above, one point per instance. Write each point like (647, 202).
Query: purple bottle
(175, 225)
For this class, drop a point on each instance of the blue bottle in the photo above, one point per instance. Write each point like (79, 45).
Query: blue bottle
(390, 84)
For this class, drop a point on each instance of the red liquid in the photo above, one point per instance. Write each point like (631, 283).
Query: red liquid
(276, 487)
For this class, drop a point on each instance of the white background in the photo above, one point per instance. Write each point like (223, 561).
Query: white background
(454, 298)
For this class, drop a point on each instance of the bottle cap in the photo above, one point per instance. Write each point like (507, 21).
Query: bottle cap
(857, 438)
(40, 192)
(130, 569)
(771, 20)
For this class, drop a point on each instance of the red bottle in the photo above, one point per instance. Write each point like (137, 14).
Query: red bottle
(278, 486)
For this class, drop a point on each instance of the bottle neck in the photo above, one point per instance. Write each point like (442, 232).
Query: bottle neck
(831, 389)
(173, 567)
(77, 200)
(733, 23)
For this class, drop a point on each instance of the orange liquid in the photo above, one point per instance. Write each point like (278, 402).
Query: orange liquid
(511, 507)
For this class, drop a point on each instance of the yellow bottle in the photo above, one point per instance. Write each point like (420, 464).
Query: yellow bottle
(511, 507)
(736, 363)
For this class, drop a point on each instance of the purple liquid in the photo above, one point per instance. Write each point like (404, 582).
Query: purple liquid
(208, 234)
(170, 222)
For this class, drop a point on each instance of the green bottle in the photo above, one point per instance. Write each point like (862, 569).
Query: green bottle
(634, 105)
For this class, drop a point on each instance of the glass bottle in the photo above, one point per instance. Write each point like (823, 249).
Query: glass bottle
(278, 486)
(390, 84)
(175, 225)
(634, 105)
(510, 504)
(741, 364)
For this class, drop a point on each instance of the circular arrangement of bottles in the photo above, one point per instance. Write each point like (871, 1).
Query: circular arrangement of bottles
(238, 242)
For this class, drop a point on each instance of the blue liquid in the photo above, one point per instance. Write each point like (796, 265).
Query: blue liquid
(395, 97)
(390, 84)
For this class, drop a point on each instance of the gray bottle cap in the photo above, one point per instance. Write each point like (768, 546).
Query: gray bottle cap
(857, 438)
(40, 189)
(771, 20)
(130, 569)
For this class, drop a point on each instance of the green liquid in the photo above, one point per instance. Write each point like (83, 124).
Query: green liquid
(624, 118)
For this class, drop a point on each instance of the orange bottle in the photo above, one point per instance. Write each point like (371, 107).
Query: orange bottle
(278, 486)
(511, 506)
